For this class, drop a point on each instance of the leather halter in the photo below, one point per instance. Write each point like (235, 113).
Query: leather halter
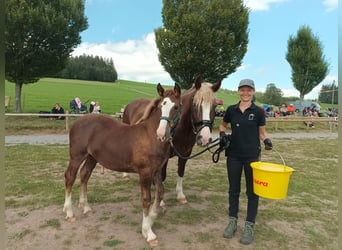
(198, 126)
(173, 122)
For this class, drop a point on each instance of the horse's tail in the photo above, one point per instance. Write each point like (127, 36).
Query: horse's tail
(152, 104)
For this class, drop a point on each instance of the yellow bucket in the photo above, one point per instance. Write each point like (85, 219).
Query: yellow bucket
(271, 180)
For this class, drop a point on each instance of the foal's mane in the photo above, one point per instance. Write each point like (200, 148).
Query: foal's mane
(204, 94)
(149, 108)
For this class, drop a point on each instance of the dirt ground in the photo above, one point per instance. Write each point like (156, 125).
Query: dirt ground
(110, 226)
(92, 232)
(118, 226)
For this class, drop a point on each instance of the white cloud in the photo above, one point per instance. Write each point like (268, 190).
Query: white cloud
(261, 5)
(330, 5)
(136, 60)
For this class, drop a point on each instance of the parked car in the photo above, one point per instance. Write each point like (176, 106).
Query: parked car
(300, 106)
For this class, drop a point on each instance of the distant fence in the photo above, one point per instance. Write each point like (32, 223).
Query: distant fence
(66, 115)
(332, 121)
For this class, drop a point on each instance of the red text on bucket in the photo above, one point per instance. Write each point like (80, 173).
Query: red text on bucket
(261, 183)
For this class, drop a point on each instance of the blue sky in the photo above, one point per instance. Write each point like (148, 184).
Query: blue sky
(124, 31)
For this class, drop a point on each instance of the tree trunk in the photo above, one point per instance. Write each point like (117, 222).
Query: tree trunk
(18, 86)
(301, 99)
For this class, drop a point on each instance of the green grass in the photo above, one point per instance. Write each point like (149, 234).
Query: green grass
(43, 94)
(310, 208)
(112, 96)
(15, 125)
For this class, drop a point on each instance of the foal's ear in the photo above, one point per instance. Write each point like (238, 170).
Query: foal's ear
(160, 90)
(198, 82)
(216, 86)
(177, 89)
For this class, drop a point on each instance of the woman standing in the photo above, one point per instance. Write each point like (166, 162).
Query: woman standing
(247, 123)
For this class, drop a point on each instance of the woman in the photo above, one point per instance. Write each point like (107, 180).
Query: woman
(57, 109)
(247, 122)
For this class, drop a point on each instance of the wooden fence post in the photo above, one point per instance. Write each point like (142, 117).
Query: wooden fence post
(67, 121)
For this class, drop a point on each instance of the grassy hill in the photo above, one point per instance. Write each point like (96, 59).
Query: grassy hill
(112, 96)
(42, 95)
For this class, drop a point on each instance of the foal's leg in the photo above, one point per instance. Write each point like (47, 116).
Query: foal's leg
(149, 215)
(85, 173)
(181, 199)
(159, 195)
(70, 177)
(163, 178)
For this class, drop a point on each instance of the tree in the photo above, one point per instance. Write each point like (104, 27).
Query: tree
(91, 68)
(307, 61)
(329, 94)
(273, 95)
(39, 38)
(202, 37)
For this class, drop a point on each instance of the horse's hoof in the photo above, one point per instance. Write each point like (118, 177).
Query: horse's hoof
(70, 219)
(126, 178)
(153, 243)
(182, 201)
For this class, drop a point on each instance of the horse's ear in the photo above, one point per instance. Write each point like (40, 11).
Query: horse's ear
(177, 89)
(216, 86)
(160, 90)
(198, 82)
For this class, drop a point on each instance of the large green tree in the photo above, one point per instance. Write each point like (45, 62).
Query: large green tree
(273, 95)
(202, 37)
(329, 94)
(39, 37)
(305, 56)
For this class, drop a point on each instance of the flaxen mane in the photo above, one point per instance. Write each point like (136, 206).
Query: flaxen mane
(148, 110)
(204, 94)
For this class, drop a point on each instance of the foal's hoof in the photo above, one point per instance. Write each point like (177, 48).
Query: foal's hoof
(153, 243)
(182, 201)
(70, 219)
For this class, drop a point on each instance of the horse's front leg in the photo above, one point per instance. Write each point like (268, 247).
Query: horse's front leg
(85, 174)
(181, 199)
(149, 213)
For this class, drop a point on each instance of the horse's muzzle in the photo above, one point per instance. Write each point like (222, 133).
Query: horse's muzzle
(199, 141)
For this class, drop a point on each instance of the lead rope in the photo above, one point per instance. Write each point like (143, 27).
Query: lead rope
(197, 154)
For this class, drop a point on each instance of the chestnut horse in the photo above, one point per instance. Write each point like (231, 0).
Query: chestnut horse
(195, 125)
(142, 148)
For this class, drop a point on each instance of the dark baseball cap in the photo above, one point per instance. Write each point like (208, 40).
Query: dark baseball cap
(247, 82)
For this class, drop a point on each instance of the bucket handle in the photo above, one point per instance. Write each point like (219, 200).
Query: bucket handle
(281, 157)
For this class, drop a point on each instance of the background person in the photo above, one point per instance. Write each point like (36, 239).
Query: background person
(283, 110)
(247, 122)
(57, 109)
(96, 108)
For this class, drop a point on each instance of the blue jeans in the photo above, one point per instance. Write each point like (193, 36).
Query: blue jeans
(234, 170)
